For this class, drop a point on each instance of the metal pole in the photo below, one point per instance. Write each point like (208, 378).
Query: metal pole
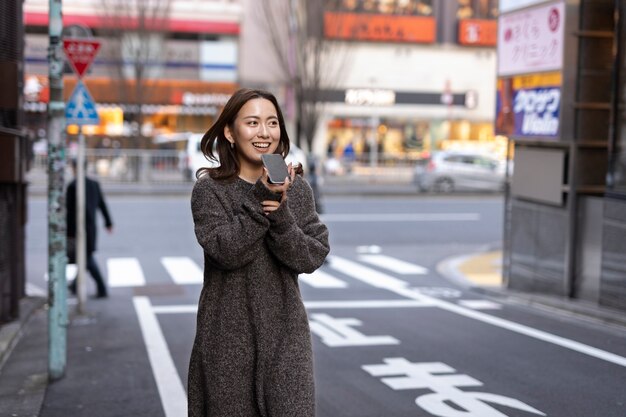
(81, 243)
(57, 257)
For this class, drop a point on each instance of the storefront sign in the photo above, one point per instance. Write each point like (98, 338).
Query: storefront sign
(194, 99)
(478, 32)
(510, 5)
(531, 40)
(528, 106)
(370, 97)
(379, 27)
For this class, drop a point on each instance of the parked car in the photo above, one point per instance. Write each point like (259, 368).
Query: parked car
(194, 158)
(447, 171)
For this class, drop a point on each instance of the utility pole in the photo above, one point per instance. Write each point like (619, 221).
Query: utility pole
(57, 258)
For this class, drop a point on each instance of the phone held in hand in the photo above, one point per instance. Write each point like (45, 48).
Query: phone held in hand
(276, 168)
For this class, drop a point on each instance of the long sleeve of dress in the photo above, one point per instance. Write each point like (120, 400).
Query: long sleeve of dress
(302, 244)
(230, 239)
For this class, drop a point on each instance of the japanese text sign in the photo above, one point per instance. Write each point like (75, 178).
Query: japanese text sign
(529, 106)
(80, 53)
(531, 40)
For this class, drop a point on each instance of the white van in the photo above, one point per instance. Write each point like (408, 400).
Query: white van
(195, 159)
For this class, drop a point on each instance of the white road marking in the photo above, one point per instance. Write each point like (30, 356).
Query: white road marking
(394, 265)
(380, 280)
(171, 390)
(401, 217)
(311, 305)
(183, 270)
(365, 274)
(338, 332)
(125, 272)
(320, 279)
(480, 304)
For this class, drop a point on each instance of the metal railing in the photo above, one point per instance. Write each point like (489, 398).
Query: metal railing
(155, 167)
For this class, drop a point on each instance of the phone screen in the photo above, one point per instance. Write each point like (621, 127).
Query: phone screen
(276, 168)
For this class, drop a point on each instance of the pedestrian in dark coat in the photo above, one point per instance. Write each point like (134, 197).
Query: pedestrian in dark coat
(252, 352)
(94, 201)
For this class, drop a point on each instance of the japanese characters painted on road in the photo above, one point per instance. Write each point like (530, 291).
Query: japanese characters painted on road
(81, 109)
(336, 332)
(80, 53)
(446, 398)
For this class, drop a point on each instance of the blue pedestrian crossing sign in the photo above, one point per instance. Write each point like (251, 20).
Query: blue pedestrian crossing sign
(81, 109)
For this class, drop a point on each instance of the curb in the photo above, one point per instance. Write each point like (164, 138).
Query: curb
(11, 333)
(586, 310)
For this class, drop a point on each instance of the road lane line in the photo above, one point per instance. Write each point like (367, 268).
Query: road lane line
(171, 390)
(320, 279)
(359, 304)
(183, 270)
(365, 274)
(393, 264)
(380, 280)
(401, 217)
(125, 272)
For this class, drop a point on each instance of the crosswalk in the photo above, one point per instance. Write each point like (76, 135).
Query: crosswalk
(182, 270)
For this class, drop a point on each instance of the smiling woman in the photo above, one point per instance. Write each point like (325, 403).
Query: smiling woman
(252, 352)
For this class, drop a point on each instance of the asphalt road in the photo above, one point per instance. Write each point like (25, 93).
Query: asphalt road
(391, 336)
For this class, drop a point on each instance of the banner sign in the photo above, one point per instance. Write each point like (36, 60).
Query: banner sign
(379, 27)
(510, 5)
(531, 41)
(529, 106)
(478, 32)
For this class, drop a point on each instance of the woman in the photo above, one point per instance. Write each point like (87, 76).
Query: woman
(252, 352)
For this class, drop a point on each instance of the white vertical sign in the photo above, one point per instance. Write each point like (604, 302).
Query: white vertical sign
(531, 41)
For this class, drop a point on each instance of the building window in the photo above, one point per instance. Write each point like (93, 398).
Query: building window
(477, 9)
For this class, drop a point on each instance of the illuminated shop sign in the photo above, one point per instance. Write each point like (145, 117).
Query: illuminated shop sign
(531, 40)
(478, 32)
(194, 99)
(370, 97)
(379, 27)
(529, 106)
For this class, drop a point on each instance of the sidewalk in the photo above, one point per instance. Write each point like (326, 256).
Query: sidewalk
(107, 372)
(482, 272)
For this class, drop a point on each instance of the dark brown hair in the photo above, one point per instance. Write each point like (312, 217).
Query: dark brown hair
(227, 155)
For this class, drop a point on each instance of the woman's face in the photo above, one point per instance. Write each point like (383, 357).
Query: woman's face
(255, 132)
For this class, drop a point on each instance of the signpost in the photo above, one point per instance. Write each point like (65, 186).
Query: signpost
(81, 110)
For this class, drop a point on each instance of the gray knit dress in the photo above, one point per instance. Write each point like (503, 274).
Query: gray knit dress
(252, 352)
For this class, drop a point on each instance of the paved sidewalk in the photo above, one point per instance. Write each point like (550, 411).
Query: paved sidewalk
(482, 272)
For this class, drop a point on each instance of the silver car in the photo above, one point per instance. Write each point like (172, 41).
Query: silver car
(447, 171)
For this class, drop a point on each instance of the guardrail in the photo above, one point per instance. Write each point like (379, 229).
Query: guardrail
(154, 167)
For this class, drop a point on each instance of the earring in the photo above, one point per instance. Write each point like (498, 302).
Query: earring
(232, 145)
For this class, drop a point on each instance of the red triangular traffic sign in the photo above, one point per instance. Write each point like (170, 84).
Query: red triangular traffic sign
(80, 53)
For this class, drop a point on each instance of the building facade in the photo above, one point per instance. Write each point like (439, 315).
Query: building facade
(417, 75)
(561, 97)
(13, 161)
(185, 57)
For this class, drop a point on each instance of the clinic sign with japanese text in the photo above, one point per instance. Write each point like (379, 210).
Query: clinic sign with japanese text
(531, 40)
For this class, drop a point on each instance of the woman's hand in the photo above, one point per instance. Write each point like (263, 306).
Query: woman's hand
(270, 205)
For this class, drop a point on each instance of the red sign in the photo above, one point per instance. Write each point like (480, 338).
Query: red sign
(477, 32)
(379, 27)
(80, 53)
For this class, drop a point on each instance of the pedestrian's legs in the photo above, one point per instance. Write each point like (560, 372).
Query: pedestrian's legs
(92, 266)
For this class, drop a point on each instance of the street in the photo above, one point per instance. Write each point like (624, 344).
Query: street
(392, 337)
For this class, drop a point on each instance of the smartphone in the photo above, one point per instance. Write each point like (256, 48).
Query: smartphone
(276, 168)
